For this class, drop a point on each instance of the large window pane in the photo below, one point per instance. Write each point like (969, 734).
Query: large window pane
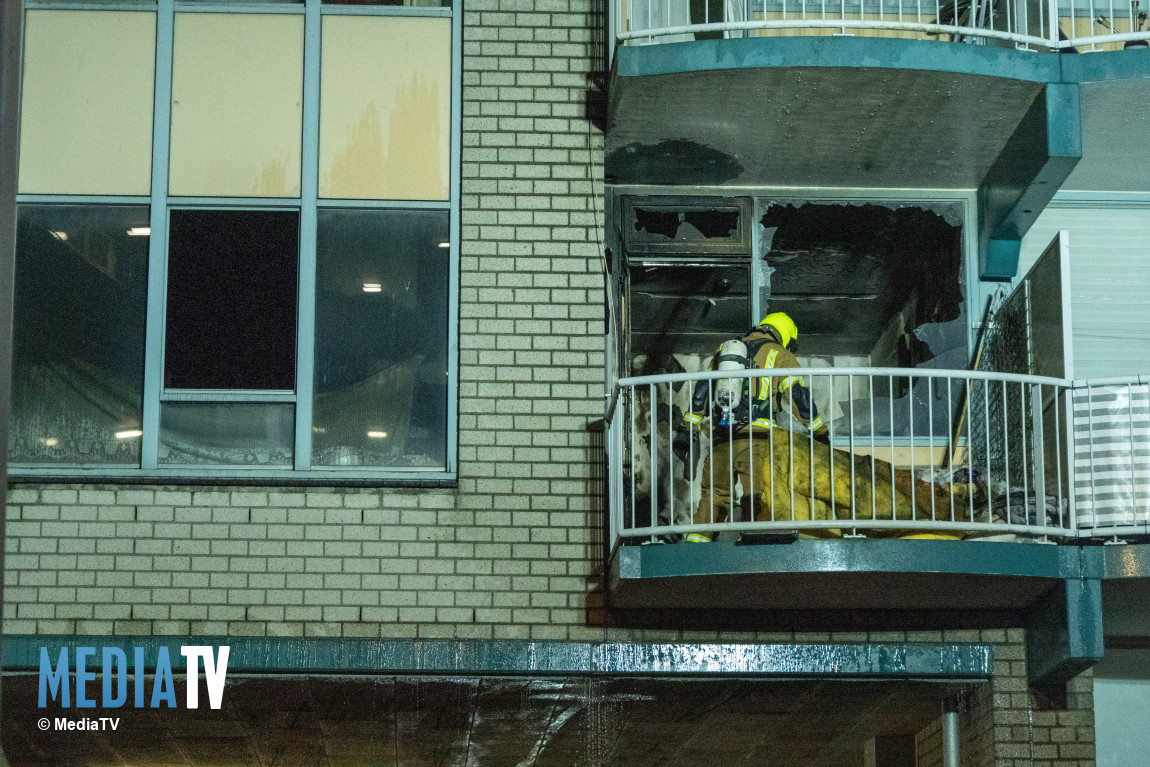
(385, 115)
(86, 109)
(227, 433)
(381, 339)
(231, 310)
(237, 105)
(78, 363)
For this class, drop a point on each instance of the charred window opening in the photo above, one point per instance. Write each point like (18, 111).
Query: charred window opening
(687, 225)
(882, 285)
(684, 309)
(875, 285)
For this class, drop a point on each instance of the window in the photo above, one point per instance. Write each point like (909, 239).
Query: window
(78, 362)
(231, 310)
(261, 288)
(86, 108)
(385, 122)
(237, 105)
(381, 338)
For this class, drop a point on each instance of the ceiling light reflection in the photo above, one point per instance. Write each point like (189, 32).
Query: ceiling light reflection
(445, 244)
(377, 434)
(129, 434)
(372, 287)
(140, 231)
(49, 441)
(62, 236)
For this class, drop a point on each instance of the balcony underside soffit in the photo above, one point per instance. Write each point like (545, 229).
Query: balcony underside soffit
(812, 126)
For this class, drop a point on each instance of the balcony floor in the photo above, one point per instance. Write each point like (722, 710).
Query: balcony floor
(840, 575)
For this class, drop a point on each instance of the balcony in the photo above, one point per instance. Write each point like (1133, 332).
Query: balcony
(942, 496)
(947, 453)
(879, 95)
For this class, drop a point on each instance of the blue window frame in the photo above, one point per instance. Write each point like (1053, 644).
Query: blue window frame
(110, 323)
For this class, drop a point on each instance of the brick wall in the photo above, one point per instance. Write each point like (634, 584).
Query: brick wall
(1002, 725)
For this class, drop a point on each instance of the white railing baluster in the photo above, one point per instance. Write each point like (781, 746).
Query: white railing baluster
(1010, 433)
(851, 438)
(626, 25)
(691, 454)
(989, 466)
(1022, 452)
(830, 440)
(893, 509)
(632, 453)
(653, 409)
(930, 439)
(873, 449)
(1133, 453)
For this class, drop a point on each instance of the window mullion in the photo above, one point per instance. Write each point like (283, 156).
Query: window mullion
(309, 193)
(158, 245)
(456, 237)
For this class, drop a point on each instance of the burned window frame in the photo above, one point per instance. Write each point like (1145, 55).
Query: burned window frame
(957, 206)
(635, 242)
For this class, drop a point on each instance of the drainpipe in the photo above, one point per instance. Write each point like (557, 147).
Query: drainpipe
(951, 752)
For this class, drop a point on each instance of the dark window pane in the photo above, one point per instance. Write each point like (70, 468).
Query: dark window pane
(231, 313)
(381, 339)
(78, 363)
(227, 433)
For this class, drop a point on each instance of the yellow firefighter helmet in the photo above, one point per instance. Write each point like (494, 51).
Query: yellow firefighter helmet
(783, 325)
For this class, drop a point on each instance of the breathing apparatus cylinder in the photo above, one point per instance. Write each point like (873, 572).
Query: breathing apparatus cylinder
(729, 391)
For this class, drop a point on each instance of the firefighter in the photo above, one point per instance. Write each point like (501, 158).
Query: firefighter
(747, 426)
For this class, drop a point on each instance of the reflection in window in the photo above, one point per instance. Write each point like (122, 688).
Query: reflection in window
(231, 306)
(227, 433)
(385, 115)
(381, 339)
(78, 362)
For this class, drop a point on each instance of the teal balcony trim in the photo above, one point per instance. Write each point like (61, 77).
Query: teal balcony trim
(872, 52)
(1037, 159)
(514, 657)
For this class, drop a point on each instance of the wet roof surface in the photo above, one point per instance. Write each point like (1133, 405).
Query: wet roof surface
(409, 721)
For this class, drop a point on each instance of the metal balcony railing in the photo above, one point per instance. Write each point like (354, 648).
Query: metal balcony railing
(1112, 456)
(1036, 24)
(954, 453)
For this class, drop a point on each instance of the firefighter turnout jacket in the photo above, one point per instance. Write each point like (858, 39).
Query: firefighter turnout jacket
(763, 397)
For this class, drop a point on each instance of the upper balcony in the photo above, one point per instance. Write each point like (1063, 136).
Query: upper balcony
(881, 94)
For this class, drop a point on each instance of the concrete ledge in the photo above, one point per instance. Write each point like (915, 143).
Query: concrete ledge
(366, 656)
